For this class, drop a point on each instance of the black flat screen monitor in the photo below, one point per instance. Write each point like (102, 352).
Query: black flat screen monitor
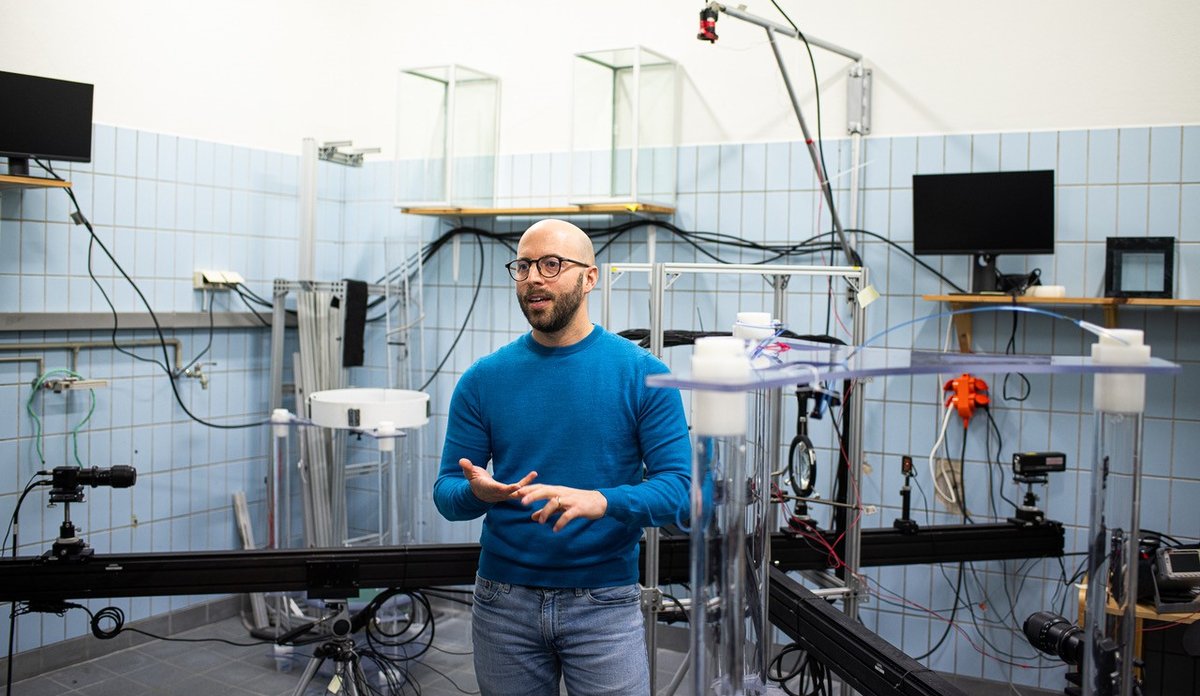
(982, 215)
(44, 118)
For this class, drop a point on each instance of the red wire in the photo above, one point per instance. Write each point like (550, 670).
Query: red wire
(833, 558)
(953, 624)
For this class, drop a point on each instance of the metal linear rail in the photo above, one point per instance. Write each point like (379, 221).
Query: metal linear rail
(328, 571)
(861, 658)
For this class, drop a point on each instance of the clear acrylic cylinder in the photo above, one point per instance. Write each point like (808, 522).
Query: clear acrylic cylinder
(1113, 555)
(279, 497)
(727, 572)
(624, 126)
(1118, 400)
(447, 136)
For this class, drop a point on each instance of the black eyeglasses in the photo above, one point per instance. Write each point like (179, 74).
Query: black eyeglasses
(548, 266)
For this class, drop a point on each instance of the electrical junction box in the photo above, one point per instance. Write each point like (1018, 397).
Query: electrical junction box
(205, 279)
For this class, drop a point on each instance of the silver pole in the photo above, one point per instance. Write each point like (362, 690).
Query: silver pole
(822, 177)
(448, 144)
(308, 209)
(275, 400)
(855, 447)
(650, 604)
(786, 31)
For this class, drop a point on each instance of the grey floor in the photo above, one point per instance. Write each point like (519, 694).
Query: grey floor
(169, 668)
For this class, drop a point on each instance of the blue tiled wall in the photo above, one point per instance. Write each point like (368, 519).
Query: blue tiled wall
(167, 205)
(1112, 182)
(164, 206)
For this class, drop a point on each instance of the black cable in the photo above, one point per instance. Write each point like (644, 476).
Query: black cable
(445, 676)
(806, 668)
(211, 327)
(116, 617)
(1009, 348)
(987, 455)
(13, 526)
(962, 478)
(466, 319)
(906, 252)
(999, 452)
(166, 364)
(1160, 535)
(246, 301)
(823, 175)
(259, 299)
(970, 605)
(950, 622)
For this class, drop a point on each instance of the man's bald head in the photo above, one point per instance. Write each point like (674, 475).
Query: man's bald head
(569, 240)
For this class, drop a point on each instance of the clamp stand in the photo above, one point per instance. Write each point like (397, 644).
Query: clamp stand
(905, 523)
(1028, 514)
(68, 546)
(348, 677)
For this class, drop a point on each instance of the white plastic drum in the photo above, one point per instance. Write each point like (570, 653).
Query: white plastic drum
(365, 409)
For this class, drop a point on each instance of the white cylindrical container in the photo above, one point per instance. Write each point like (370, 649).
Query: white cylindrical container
(719, 359)
(754, 326)
(385, 435)
(1116, 393)
(280, 419)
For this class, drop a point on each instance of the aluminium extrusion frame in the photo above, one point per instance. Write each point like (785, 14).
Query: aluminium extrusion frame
(279, 531)
(662, 276)
(161, 574)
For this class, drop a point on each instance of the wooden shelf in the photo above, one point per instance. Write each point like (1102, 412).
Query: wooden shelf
(9, 183)
(552, 211)
(1141, 614)
(963, 325)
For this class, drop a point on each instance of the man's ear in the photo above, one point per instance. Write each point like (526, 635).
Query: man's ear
(591, 278)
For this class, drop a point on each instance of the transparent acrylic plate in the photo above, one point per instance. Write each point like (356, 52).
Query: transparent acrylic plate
(788, 362)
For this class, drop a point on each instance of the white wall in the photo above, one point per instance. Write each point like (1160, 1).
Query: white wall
(266, 73)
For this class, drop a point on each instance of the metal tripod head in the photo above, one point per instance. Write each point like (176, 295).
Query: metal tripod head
(348, 677)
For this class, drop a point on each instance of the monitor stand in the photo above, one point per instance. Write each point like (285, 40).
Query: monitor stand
(984, 276)
(18, 166)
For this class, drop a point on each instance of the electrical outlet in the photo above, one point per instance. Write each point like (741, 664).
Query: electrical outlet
(949, 477)
(208, 279)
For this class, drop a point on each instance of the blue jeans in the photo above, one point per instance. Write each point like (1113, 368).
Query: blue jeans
(526, 638)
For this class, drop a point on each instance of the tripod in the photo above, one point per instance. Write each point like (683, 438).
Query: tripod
(348, 677)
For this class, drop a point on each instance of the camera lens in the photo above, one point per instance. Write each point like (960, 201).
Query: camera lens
(1054, 635)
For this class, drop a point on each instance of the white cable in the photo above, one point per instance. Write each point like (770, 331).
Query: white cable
(951, 497)
(945, 421)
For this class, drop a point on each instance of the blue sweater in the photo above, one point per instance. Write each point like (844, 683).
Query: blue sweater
(581, 416)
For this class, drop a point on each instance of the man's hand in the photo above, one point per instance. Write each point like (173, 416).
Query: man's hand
(488, 489)
(567, 503)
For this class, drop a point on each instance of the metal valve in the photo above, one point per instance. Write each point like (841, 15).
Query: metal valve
(197, 372)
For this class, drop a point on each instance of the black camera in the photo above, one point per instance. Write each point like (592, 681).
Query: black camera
(1054, 635)
(1038, 463)
(67, 482)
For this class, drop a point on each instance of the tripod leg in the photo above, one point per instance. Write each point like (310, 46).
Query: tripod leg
(309, 672)
(351, 680)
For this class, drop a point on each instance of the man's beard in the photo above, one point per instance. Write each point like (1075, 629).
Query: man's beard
(563, 309)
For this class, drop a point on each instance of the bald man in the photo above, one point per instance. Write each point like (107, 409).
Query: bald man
(583, 456)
